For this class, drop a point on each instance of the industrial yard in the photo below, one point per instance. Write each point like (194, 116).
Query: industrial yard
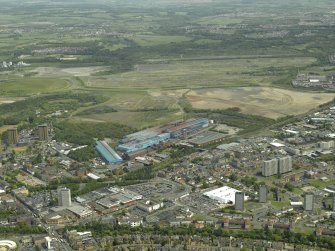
(138, 143)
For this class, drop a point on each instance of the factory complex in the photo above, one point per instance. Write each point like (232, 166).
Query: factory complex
(107, 153)
(142, 140)
(206, 138)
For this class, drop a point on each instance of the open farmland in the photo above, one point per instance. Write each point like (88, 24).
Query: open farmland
(133, 53)
(203, 72)
(138, 109)
(70, 71)
(31, 85)
(265, 101)
(135, 119)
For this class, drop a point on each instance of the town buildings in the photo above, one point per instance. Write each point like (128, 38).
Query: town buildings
(43, 132)
(12, 136)
(64, 197)
(239, 201)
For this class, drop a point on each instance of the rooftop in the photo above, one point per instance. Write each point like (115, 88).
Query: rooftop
(80, 211)
(206, 137)
(107, 152)
(223, 194)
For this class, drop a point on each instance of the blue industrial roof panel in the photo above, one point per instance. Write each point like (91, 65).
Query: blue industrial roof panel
(107, 153)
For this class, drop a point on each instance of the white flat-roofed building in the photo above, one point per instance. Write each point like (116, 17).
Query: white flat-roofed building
(292, 131)
(296, 203)
(329, 190)
(276, 144)
(93, 176)
(224, 195)
(114, 190)
(150, 206)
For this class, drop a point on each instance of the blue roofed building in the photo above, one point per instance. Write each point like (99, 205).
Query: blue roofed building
(107, 153)
(146, 143)
(154, 136)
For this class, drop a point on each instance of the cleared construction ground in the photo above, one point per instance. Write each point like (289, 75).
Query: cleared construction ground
(265, 101)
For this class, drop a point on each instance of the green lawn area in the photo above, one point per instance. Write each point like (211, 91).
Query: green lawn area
(219, 20)
(152, 40)
(31, 85)
(138, 120)
(321, 184)
(198, 217)
(304, 230)
(251, 205)
(199, 73)
(297, 191)
(280, 204)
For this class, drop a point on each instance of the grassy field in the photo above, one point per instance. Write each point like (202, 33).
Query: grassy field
(251, 205)
(137, 109)
(145, 55)
(6, 127)
(68, 71)
(219, 20)
(321, 184)
(133, 119)
(150, 95)
(199, 73)
(32, 85)
(280, 204)
(152, 40)
(21, 149)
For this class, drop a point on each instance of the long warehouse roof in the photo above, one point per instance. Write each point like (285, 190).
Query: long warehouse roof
(107, 152)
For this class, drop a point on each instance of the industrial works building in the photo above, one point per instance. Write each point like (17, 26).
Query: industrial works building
(207, 138)
(107, 153)
(154, 136)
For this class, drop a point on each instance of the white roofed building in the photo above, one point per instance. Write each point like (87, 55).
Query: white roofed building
(224, 195)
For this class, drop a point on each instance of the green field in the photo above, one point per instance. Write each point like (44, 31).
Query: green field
(197, 73)
(280, 204)
(133, 53)
(152, 40)
(321, 184)
(29, 86)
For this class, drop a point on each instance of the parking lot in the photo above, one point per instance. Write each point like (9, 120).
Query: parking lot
(199, 202)
(152, 190)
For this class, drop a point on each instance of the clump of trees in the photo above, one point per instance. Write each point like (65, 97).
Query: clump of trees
(145, 173)
(233, 117)
(25, 110)
(84, 133)
(102, 230)
(84, 154)
(22, 229)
